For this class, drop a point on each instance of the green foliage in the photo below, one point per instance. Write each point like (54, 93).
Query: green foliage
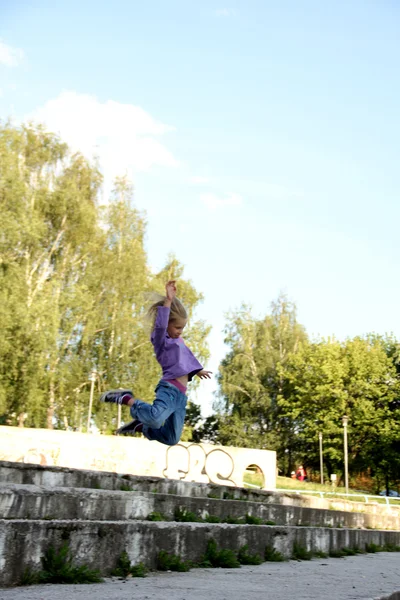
(301, 553)
(250, 520)
(245, 558)
(372, 548)
(156, 516)
(320, 554)
(73, 279)
(219, 558)
(185, 516)
(278, 390)
(272, 555)
(58, 567)
(171, 562)
(391, 548)
(124, 568)
(212, 519)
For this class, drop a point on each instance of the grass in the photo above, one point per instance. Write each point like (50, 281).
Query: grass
(245, 558)
(185, 516)
(171, 562)
(253, 478)
(288, 483)
(58, 567)
(125, 569)
(156, 516)
(272, 555)
(300, 552)
(216, 558)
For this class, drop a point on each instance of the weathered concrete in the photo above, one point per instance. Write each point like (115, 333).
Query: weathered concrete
(100, 543)
(369, 577)
(76, 478)
(41, 502)
(203, 463)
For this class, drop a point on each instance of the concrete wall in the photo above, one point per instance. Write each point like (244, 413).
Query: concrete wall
(203, 463)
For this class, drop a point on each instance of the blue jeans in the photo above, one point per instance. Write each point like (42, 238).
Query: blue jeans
(163, 420)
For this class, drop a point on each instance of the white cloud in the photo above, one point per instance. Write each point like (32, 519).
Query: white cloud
(212, 201)
(225, 12)
(123, 136)
(198, 180)
(10, 57)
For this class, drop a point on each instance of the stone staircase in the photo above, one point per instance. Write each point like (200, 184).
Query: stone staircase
(102, 514)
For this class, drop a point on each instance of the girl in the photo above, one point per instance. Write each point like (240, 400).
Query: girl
(163, 420)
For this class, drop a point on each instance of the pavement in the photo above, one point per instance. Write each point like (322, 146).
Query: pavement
(365, 577)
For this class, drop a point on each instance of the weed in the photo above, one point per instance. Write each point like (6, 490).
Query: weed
(270, 523)
(336, 553)
(124, 568)
(139, 570)
(234, 520)
(228, 496)
(214, 496)
(219, 558)
(125, 488)
(212, 519)
(272, 555)
(320, 554)
(391, 548)
(250, 520)
(156, 516)
(248, 559)
(29, 577)
(300, 552)
(58, 568)
(349, 551)
(185, 516)
(373, 548)
(171, 562)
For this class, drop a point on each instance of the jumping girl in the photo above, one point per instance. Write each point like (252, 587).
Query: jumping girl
(163, 420)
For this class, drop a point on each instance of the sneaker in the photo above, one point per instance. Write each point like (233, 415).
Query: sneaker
(116, 396)
(131, 428)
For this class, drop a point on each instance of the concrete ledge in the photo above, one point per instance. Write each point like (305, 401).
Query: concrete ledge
(11, 472)
(39, 502)
(203, 463)
(99, 544)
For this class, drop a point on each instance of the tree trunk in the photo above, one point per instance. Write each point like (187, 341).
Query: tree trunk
(50, 409)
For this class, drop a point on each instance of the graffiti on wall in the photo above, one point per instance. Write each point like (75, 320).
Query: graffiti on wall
(193, 463)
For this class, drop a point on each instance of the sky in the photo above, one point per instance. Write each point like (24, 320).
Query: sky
(262, 139)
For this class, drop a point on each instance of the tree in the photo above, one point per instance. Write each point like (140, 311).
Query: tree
(250, 376)
(73, 282)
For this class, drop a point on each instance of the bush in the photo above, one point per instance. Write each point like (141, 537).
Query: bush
(219, 558)
(272, 555)
(171, 562)
(300, 553)
(58, 568)
(124, 568)
(248, 559)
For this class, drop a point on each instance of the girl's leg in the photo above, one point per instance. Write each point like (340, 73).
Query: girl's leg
(170, 432)
(163, 420)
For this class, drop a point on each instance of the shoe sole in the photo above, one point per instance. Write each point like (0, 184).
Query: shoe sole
(128, 428)
(105, 394)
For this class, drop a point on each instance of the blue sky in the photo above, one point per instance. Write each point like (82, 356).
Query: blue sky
(262, 139)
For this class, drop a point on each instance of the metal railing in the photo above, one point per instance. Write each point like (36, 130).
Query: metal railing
(367, 497)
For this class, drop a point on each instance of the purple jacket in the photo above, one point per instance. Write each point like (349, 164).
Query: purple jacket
(174, 356)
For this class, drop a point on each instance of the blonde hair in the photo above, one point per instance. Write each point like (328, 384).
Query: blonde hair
(177, 310)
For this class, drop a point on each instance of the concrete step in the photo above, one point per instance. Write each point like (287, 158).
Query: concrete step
(74, 478)
(100, 543)
(24, 501)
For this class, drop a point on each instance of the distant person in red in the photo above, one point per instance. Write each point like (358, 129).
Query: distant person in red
(301, 474)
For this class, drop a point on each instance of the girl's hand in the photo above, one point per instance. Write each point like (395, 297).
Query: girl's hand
(204, 374)
(170, 290)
